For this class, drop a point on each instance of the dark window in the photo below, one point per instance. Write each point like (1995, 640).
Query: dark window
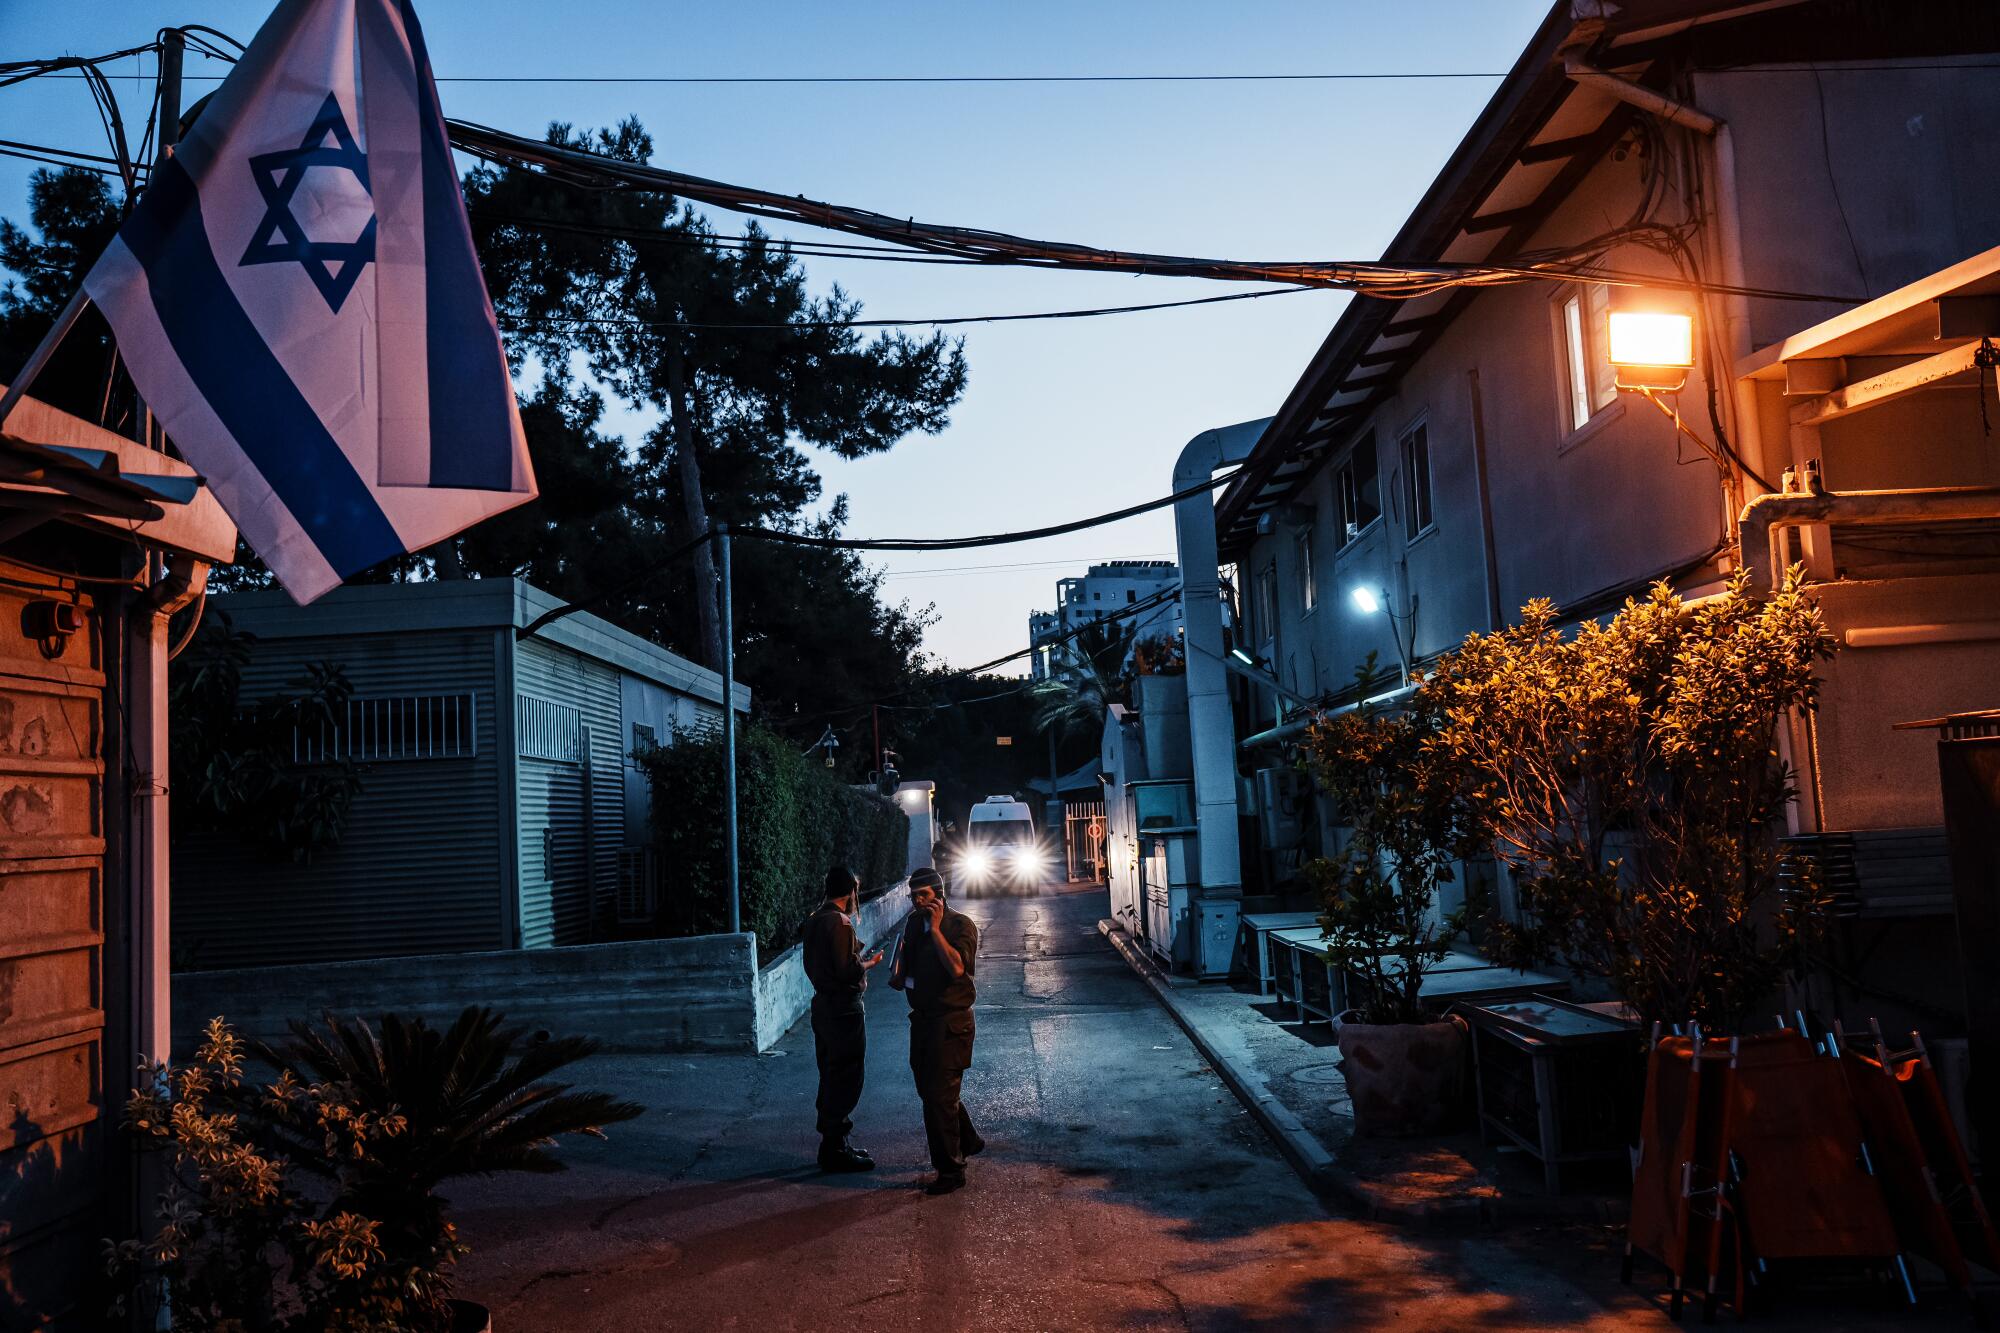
(1417, 479)
(1131, 596)
(1357, 492)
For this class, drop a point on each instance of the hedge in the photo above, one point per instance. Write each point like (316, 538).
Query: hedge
(794, 819)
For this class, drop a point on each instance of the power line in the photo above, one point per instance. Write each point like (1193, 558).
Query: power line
(945, 321)
(1007, 565)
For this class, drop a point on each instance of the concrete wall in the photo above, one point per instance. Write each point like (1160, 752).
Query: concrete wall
(642, 995)
(783, 992)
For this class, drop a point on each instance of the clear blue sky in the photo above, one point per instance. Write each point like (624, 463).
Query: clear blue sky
(1062, 418)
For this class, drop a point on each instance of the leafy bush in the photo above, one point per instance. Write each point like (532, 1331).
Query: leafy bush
(1627, 772)
(234, 769)
(308, 1203)
(1403, 799)
(794, 819)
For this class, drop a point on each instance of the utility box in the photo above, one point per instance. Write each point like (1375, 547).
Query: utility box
(1215, 939)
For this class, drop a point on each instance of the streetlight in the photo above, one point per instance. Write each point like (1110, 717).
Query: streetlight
(1651, 350)
(1369, 603)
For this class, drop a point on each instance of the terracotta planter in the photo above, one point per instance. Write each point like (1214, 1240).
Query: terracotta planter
(1405, 1078)
(470, 1317)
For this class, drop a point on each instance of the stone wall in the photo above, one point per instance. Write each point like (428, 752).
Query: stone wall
(784, 993)
(640, 995)
(704, 993)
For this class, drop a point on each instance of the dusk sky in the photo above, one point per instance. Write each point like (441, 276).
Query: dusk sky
(1063, 418)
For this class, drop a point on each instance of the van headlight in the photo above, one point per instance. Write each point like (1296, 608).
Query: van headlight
(977, 862)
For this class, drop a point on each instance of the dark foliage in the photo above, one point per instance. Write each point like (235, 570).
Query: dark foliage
(794, 819)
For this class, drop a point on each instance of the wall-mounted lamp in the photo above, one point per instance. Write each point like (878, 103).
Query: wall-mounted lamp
(1651, 349)
(1370, 603)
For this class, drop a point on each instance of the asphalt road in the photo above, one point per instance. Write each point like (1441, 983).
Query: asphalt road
(1123, 1188)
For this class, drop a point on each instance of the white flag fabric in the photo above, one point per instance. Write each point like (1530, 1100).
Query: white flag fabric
(297, 298)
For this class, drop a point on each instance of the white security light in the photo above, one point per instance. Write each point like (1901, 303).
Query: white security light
(1366, 602)
(1651, 349)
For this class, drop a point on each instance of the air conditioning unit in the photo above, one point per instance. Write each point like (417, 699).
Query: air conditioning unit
(638, 885)
(1283, 797)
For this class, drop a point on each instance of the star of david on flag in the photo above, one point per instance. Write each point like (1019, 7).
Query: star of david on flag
(298, 300)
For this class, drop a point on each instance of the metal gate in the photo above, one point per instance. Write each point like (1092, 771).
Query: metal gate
(56, 1079)
(1083, 823)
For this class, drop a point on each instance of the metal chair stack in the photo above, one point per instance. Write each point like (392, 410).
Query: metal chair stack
(1779, 1149)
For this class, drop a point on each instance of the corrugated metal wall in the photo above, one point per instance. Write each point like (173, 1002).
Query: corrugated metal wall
(419, 870)
(572, 814)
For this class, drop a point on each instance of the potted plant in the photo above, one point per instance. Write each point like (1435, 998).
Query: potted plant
(1408, 825)
(1628, 774)
(309, 1201)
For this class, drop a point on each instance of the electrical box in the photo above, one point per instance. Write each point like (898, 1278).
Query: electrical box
(1283, 797)
(1215, 939)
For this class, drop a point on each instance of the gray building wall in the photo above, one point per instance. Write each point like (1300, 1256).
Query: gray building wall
(571, 811)
(423, 873)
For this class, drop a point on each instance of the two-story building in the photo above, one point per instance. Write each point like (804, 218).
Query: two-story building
(1806, 179)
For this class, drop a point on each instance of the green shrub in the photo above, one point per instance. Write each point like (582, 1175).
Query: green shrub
(794, 819)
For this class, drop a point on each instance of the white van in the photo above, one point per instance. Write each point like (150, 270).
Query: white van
(1001, 849)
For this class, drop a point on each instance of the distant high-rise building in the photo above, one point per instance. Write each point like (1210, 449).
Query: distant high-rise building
(1141, 592)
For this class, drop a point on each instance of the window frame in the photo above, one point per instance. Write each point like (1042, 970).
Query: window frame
(1591, 353)
(1343, 488)
(1405, 460)
(1305, 574)
(1264, 603)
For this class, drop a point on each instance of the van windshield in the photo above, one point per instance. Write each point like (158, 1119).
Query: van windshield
(1001, 832)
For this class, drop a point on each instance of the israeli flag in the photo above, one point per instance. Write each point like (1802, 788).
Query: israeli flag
(297, 298)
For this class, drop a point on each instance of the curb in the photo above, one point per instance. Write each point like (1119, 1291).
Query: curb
(1315, 1164)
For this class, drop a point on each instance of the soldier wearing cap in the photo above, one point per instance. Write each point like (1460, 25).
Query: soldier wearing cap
(933, 968)
(839, 974)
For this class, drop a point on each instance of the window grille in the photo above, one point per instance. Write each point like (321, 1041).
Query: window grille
(644, 738)
(549, 730)
(411, 726)
(638, 885)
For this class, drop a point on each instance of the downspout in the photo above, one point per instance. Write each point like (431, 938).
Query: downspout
(1211, 728)
(182, 579)
(1767, 515)
(1748, 429)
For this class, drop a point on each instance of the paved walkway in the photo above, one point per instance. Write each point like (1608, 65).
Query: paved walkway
(1125, 1187)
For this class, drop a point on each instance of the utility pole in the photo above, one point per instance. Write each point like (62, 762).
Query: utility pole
(729, 726)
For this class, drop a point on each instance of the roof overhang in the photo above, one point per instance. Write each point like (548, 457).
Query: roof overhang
(55, 467)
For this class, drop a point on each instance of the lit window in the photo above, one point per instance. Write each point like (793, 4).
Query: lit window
(1308, 580)
(1417, 479)
(1588, 384)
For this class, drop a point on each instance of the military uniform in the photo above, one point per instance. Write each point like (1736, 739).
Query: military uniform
(832, 957)
(941, 1035)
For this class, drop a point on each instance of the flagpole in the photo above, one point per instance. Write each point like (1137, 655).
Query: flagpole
(729, 727)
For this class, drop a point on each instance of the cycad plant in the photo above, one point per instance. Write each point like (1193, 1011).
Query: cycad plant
(470, 1100)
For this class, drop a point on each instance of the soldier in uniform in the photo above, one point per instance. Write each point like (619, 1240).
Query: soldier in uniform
(933, 968)
(839, 974)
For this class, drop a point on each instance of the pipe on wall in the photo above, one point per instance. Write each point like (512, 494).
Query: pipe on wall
(1768, 515)
(1728, 237)
(1211, 726)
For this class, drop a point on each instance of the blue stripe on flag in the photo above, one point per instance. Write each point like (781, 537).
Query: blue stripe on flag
(245, 384)
(472, 424)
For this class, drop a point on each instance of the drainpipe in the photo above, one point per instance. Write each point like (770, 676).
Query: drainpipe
(1211, 729)
(1764, 517)
(178, 583)
(1728, 223)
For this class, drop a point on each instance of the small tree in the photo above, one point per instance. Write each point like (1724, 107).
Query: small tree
(1404, 802)
(1627, 773)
